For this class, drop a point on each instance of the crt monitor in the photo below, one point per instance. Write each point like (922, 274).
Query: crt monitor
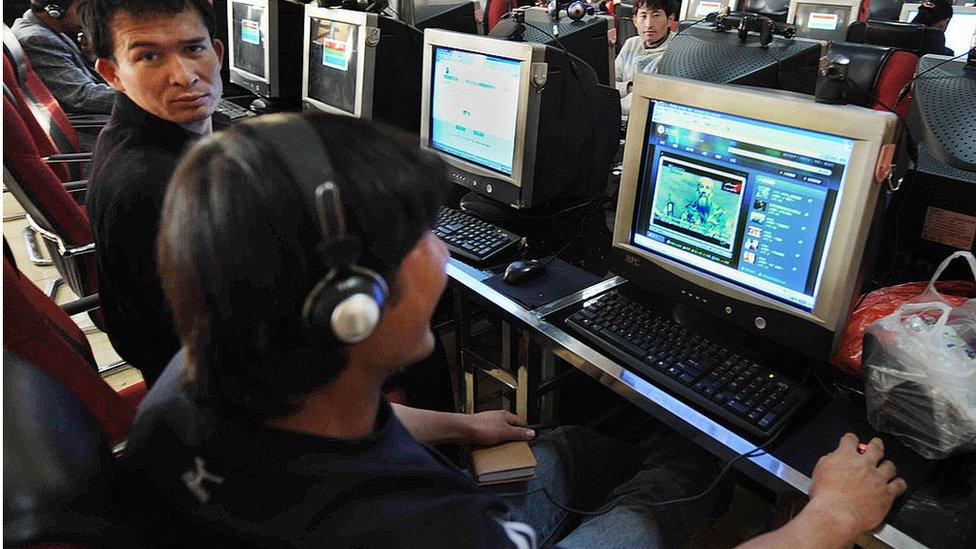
(693, 10)
(701, 53)
(454, 16)
(752, 205)
(825, 20)
(962, 27)
(362, 64)
(264, 45)
(586, 38)
(514, 123)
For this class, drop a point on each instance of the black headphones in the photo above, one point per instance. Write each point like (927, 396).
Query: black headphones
(345, 305)
(54, 9)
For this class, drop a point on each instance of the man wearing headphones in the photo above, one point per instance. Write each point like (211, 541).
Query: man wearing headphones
(44, 33)
(297, 257)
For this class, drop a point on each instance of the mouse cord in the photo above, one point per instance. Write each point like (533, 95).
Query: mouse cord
(579, 233)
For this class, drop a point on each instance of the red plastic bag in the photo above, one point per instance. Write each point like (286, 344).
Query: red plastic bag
(883, 302)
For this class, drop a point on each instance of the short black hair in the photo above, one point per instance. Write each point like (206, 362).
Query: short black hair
(669, 7)
(96, 16)
(240, 247)
(933, 11)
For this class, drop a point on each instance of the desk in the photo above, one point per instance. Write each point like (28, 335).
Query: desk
(533, 326)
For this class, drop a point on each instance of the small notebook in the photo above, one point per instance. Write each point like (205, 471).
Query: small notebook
(509, 462)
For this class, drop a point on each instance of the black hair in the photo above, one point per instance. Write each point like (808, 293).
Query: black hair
(240, 248)
(95, 17)
(669, 7)
(933, 11)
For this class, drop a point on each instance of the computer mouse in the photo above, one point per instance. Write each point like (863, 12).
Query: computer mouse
(259, 105)
(520, 272)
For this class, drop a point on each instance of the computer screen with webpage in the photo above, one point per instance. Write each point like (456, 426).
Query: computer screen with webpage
(249, 37)
(474, 107)
(747, 201)
(698, 9)
(333, 63)
(822, 21)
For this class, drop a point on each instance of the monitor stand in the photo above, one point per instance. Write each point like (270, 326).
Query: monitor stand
(485, 208)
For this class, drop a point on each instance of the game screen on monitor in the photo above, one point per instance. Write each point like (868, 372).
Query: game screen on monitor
(822, 22)
(249, 38)
(747, 201)
(474, 107)
(333, 63)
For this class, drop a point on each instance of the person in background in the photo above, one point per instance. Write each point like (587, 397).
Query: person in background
(44, 33)
(935, 14)
(641, 53)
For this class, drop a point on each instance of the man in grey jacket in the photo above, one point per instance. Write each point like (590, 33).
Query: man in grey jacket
(44, 32)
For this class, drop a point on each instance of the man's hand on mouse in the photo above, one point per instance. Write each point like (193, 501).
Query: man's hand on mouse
(855, 489)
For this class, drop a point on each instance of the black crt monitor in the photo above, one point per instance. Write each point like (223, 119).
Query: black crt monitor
(586, 38)
(701, 53)
(825, 20)
(752, 206)
(514, 122)
(264, 44)
(363, 65)
(457, 17)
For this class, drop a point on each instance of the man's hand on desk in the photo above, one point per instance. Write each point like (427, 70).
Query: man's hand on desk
(495, 427)
(481, 429)
(851, 494)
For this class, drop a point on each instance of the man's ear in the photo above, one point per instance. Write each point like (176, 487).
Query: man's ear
(219, 50)
(109, 71)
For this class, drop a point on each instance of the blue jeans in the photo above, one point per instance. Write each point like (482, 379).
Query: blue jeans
(584, 470)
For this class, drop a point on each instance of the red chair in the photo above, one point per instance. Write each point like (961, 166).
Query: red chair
(34, 100)
(878, 74)
(495, 10)
(36, 329)
(51, 211)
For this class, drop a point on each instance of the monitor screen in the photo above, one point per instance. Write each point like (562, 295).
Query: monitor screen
(822, 21)
(743, 200)
(249, 37)
(698, 9)
(333, 63)
(474, 107)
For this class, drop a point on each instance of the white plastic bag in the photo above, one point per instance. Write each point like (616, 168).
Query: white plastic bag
(920, 372)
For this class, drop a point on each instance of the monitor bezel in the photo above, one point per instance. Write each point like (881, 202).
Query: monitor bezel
(367, 40)
(854, 5)
(270, 57)
(514, 189)
(855, 206)
(683, 12)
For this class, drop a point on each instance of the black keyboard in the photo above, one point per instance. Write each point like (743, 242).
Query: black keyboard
(471, 238)
(232, 111)
(747, 395)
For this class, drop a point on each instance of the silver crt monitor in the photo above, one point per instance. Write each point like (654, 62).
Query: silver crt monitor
(693, 10)
(480, 111)
(339, 60)
(752, 205)
(252, 53)
(825, 20)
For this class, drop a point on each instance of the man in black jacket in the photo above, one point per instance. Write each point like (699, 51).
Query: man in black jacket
(160, 55)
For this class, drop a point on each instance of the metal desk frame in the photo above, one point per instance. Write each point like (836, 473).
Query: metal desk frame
(529, 327)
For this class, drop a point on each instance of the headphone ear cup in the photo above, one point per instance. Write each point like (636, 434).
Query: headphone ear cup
(344, 308)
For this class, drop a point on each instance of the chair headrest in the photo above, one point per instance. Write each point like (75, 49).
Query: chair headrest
(917, 39)
(765, 7)
(13, 50)
(867, 62)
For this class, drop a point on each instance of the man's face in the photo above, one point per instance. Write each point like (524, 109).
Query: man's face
(166, 64)
(403, 336)
(652, 25)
